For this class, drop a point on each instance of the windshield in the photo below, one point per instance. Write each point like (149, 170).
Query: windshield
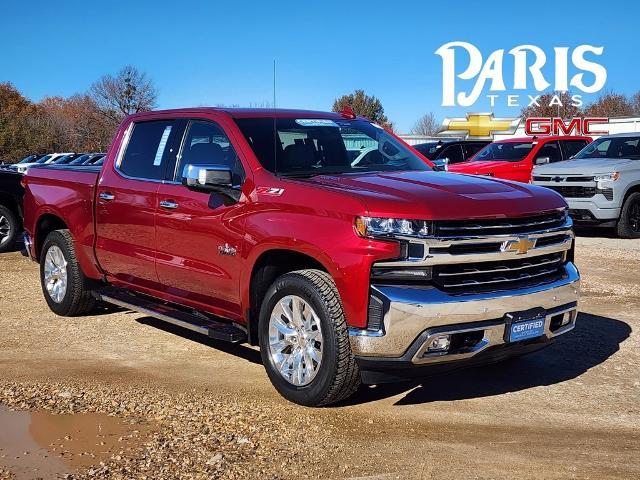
(43, 159)
(504, 152)
(612, 147)
(29, 159)
(80, 159)
(309, 146)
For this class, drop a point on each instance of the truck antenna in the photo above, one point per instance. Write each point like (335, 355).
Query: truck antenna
(275, 129)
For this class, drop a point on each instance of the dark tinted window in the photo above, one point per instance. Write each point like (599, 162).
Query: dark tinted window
(206, 143)
(571, 147)
(470, 149)
(505, 152)
(612, 147)
(453, 153)
(147, 150)
(551, 150)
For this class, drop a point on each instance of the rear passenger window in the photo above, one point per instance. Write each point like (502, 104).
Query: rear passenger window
(148, 149)
(206, 143)
(571, 147)
(551, 150)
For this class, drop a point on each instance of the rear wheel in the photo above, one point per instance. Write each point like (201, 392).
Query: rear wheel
(629, 223)
(64, 286)
(9, 229)
(304, 340)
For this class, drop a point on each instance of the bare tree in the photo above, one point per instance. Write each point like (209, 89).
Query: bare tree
(130, 91)
(426, 125)
(547, 106)
(635, 103)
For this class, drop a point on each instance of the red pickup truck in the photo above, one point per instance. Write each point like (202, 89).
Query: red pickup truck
(320, 237)
(514, 158)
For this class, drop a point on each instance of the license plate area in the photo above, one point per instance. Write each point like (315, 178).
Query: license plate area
(524, 325)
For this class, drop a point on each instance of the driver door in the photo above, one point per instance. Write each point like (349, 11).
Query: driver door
(199, 235)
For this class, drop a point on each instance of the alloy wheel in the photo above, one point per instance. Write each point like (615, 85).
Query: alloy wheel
(634, 216)
(5, 229)
(55, 274)
(295, 340)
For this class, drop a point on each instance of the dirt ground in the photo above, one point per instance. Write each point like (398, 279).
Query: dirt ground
(187, 407)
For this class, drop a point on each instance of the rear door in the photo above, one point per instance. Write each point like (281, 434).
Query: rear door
(126, 203)
(199, 234)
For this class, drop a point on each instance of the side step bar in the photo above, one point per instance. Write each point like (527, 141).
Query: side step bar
(167, 313)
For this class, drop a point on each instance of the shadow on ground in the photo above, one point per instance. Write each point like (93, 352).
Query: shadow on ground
(592, 342)
(239, 350)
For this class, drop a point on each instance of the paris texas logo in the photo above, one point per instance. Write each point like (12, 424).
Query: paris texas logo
(528, 63)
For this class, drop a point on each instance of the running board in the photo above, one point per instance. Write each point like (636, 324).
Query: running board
(167, 313)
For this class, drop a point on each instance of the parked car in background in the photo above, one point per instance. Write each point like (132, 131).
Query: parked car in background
(514, 158)
(87, 159)
(449, 152)
(11, 193)
(44, 160)
(214, 220)
(65, 159)
(601, 183)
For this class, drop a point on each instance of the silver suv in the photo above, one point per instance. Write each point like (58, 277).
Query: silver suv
(601, 183)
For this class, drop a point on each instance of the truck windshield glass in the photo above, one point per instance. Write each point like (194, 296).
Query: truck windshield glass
(612, 147)
(504, 152)
(306, 147)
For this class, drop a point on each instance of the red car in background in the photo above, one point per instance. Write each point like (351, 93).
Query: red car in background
(514, 158)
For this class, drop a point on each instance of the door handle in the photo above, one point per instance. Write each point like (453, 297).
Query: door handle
(106, 196)
(170, 204)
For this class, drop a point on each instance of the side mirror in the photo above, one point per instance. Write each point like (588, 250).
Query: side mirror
(541, 160)
(210, 178)
(445, 160)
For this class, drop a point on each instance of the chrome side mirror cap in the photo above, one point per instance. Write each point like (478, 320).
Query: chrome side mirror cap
(207, 177)
(542, 160)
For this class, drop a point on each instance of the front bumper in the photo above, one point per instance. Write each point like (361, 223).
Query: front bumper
(415, 315)
(587, 210)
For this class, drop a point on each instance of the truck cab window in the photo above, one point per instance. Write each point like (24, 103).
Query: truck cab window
(147, 152)
(205, 143)
(551, 150)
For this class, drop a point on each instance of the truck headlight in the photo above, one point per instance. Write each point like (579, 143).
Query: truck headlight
(607, 177)
(378, 227)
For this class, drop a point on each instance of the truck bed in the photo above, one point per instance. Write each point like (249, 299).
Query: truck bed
(66, 192)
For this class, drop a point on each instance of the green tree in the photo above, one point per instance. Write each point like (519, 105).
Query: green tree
(365, 106)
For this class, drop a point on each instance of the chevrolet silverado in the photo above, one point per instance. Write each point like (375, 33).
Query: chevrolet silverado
(258, 226)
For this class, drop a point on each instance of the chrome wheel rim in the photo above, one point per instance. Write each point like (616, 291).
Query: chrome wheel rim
(295, 340)
(55, 274)
(5, 229)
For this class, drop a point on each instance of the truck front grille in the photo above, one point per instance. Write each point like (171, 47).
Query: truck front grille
(506, 274)
(474, 228)
(574, 191)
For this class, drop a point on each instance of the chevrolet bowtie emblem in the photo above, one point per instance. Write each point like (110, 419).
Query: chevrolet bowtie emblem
(520, 246)
(480, 126)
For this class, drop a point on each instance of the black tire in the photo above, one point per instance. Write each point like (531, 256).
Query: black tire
(629, 222)
(338, 375)
(8, 220)
(77, 298)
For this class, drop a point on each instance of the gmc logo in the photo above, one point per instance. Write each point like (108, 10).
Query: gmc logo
(542, 127)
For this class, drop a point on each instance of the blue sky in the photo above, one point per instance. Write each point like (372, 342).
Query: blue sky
(209, 52)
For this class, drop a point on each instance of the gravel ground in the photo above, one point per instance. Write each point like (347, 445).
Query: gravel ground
(209, 411)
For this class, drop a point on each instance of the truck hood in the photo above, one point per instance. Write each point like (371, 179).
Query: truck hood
(440, 196)
(478, 167)
(585, 165)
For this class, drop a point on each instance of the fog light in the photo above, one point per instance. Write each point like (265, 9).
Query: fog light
(440, 343)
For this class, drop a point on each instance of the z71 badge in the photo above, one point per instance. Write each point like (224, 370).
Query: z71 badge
(227, 249)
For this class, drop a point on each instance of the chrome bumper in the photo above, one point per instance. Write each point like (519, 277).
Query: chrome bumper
(412, 312)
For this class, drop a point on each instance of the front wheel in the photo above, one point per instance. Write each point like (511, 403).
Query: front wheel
(304, 340)
(629, 223)
(64, 286)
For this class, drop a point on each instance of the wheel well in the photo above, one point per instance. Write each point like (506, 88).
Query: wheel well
(634, 189)
(269, 266)
(46, 224)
